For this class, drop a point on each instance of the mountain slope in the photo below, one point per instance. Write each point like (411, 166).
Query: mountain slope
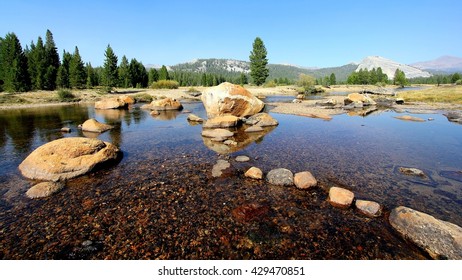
(389, 67)
(446, 63)
(231, 66)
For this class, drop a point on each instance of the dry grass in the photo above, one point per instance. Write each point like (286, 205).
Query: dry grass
(442, 94)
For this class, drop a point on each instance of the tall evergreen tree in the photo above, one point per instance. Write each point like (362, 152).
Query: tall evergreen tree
(110, 75)
(124, 73)
(36, 64)
(153, 76)
(13, 65)
(52, 62)
(163, 73)
(333, 79)
(62, 80)
(77, 74)
(92, 79)
(138, 74)
(258, 62)
(400, 78)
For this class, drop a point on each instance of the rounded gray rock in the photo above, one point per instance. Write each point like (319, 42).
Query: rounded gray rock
(281, 177)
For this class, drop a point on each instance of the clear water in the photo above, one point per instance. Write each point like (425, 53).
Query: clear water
(165, 178)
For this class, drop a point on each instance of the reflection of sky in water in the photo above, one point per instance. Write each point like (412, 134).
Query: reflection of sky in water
(360, 153)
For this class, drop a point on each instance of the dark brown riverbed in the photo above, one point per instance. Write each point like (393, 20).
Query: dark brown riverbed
(161, 201)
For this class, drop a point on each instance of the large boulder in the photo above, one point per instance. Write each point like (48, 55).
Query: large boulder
(114, 102)
(439, 238)
(166, 104)
(92, 125)
(230, 99)
(67, 158)
(358, 98)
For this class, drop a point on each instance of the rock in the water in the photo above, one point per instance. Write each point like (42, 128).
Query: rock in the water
(412, 171)
(340, 197)
(66, 129)
(67, 158)
(230, 142)
(409, 118)
(399, 101)
(281, 177)
(222, 121)
(262, 120)
(253, 128)
(92, 125)
(359, 98)
(369, 208)
(113, 103)
(230, 99)
(441, 239)
(218, 168)
(44, 189)
(454, 116)
(127, 99)
(304, 180)
(254, 173)
(217, 133)
(194, 118)
(242, 158)
(166, 104)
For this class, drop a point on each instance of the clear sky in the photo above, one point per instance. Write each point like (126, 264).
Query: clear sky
(308, 33)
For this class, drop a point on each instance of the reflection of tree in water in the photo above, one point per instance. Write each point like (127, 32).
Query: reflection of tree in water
(22, 126)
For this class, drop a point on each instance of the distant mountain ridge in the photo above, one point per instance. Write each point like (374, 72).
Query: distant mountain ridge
(226, 66)
(389, 67)
(449, 64)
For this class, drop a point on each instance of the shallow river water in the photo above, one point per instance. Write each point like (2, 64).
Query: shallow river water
(162, 202)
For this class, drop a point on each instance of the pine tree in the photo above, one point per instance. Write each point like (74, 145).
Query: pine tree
(13, 65)
(51, 61)
(92, 79)
(36, 64)
(110, 77)
(153, 76)
(243, 79)
(77, 74)
(258, 62)
(204, 80)
(163, 73)
(400, 78)
(124, 73)
(62, 79)
(333, 79)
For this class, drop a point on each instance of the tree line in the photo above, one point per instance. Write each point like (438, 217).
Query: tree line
(38, 67)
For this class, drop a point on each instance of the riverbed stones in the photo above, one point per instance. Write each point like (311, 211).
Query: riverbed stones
(262, 120)
(67, 158)
(230, 99)
(242, 158)
(441, 239)
(219, 167)
(410, 171)
(254, 173)
(222, 121)
(253, 128)
(194, 118)
(340, 197)
(370, 209)
(280, 177)
(92, 125)
(409, 118)
(304, 180)
(358, 98)
(44, 189)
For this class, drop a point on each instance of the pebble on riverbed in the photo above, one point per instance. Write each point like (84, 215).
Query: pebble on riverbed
(370, 209)
(340, 197)
(304, 180)
(254, 173)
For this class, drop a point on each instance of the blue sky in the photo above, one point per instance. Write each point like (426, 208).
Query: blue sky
(307, 33)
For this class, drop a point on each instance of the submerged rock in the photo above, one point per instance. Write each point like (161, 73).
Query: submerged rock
(254, 173)
(253, 128)
(218, 168)
(217, 133)
(412, 171)
(281, 177)
(304, 180)
(67, 158)
(44, 189)
(194, 118)
(340, 197)
(242, 158)
(370, 209)
(409, 118)
(230, 99)
(441, 239)
(92, 125)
